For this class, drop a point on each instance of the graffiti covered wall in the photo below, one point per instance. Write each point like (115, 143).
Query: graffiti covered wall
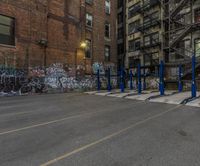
(57, 77)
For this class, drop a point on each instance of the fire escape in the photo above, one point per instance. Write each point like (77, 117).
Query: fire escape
(146, 27)
(179, 24)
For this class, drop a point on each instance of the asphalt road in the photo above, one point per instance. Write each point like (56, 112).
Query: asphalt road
(86, 130)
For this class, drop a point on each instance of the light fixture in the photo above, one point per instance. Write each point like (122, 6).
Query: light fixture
(83, 44)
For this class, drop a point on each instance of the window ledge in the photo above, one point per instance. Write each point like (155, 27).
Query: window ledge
(107, 39)
(89, 28)
(7, 46)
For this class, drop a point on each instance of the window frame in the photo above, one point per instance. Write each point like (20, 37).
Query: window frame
(107, 58)
(107, 32)
(86, 18)
(108, 7)
(11, 35)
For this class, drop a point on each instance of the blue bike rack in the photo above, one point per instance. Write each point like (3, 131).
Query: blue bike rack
(98, 81)
(122, 80)
(180, 85)
(144, 79)
(109, 81)
(194, 87)
(139, 79)
(131, 80)
(161, 75)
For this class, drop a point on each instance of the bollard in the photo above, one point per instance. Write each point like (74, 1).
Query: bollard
(131, 80)
(98, 81)
(122, 80)
(109, 81)
(139, 79)
(144, 79)
(161, 83)
(194, 88)
(180, 85)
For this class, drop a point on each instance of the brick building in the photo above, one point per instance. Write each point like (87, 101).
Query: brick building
(38, 33)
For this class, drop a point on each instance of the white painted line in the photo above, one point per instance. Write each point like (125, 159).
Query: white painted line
(54, 121)
(64, 156)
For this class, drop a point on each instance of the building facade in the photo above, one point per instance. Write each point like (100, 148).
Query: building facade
(162, 30)
(76, 33)
(144, 32)
(121, 32)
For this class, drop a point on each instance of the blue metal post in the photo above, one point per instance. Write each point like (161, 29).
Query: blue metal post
(161, 84)
(122, 80)
(139, 79)
(98, 81)
(109, 81)
(131, 80)
(180, 85)
(194, 87)
(144, 83)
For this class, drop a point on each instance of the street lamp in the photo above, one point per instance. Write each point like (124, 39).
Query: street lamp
(83, 45)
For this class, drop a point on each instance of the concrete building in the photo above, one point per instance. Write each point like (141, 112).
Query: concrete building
(162, 30)
(121, 32)
(144, 32)
(76, 33)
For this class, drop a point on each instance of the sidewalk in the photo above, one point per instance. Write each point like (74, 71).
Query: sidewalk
(177, 98)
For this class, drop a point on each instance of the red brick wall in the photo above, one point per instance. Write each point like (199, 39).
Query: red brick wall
(58, 21)
(30, 27)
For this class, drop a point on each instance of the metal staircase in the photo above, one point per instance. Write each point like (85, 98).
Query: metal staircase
(176, 37)
(187, 75)
(177, 9)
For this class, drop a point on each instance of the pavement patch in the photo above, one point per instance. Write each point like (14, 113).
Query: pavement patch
(123, 94)
(177, 98)
(194, 103)
(108, 137)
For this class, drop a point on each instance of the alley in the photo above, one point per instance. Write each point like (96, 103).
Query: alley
(77, 129)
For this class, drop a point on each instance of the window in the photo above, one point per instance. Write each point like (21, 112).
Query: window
(89, 1)
(88, 50)
(147, 40)
(133, 27)
(120, 18)
(89, 20)
(133, 62)
(197, 47)
(151, 19)
(7, 30)
(197, 15)
(107, 53)
(155, 38)
(146, 21)
(120, 33)
(107, 30)
(120, 3)
(107, 6)
(131, 45)
(151, 58)
(134, 45)
(120, 48)
(146, 3)
(133, 10)
(151, 39)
